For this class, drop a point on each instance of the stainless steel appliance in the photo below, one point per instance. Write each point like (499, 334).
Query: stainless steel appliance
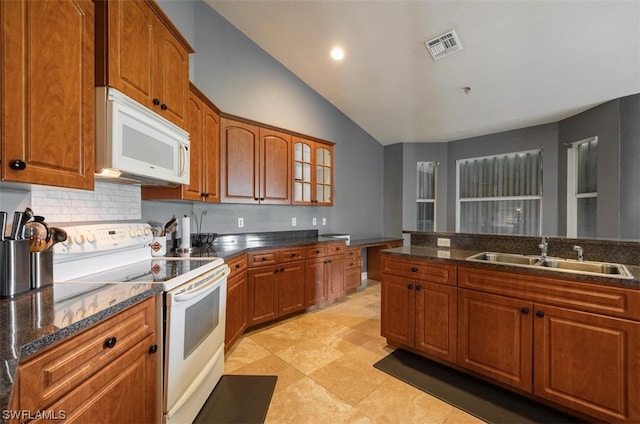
(194, 303)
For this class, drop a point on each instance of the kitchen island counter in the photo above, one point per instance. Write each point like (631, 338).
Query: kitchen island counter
(40, 319)
(459, 258)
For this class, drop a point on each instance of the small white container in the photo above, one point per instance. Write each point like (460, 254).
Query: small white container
(159, 246)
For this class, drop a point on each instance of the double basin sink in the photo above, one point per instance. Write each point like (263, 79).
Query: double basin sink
(604, 269)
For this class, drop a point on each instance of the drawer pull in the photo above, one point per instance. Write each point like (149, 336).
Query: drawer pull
(414, 269)
(237, 266)
(264, 258)
(110, 342)
(153, 349)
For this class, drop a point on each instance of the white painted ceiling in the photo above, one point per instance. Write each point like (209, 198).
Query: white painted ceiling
(527, 62)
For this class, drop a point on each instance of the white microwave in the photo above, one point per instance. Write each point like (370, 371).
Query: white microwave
(136, 145)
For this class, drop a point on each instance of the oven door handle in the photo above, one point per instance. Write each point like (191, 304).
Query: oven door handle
(186, 296)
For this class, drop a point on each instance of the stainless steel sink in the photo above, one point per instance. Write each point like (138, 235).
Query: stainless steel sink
(608, 269)
(505, 258)
(557, 264)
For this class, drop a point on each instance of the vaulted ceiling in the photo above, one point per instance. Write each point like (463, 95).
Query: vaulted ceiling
(526, 62)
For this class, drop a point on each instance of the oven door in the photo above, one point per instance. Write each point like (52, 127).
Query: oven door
(194, 343)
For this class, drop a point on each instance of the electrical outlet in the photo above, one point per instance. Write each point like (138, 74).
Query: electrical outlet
(314, 221)
(444, 242)
(324, 221)
(240, 222)
(294, 222)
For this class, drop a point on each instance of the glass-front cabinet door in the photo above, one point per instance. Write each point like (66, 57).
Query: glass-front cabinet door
(324, 174)
(312, 173)
(302, 166)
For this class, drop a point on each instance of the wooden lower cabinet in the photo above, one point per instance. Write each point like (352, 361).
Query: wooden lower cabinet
(325, 274)
(419, 315)
(495, 337)
(237, 297)
(277, 288)
(90, 380)
(588, 362)
(353, 268)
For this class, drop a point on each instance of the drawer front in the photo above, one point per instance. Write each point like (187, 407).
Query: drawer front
(237, 265)
(353, 253)
(54, 373)
(262, 258)
(336, 249)
(584, 296)
(433, 272)
(353, 263)
(317, 251)
(292, 254)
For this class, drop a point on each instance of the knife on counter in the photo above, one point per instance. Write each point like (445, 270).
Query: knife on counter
(3, 225)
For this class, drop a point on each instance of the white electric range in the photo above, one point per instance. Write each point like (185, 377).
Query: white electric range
(194, 302)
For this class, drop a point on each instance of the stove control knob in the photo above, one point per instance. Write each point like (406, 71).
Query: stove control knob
(79, 239)
(92, 238)
(132, 232)
(147, 231)
(139, 232)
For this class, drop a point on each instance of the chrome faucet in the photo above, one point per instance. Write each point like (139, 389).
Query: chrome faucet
(580, 251)
(543, 248)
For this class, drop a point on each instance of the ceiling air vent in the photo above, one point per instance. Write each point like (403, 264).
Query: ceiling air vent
(444, 45)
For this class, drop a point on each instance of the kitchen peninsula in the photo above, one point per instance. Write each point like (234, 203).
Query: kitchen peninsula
(569, 339)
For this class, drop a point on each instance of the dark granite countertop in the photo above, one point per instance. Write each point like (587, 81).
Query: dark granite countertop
(39, 319)
(229, 246)
(459, 257)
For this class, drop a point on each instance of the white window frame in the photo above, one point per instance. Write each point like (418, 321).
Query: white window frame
(460, 200)
(572, 186)
(435, 164)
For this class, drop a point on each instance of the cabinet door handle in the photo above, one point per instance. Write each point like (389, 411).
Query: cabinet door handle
(153, 349)
(156, 102)
(237, 266)
(410, 286)
(418, 288)
(276, 271)
(163, 106)
(540, 314)
(281, 269)
(110, 342)
(18, 165)
(414, 269)
(264, 258)
(524, 310)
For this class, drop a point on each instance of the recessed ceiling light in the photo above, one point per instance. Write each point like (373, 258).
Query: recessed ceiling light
(337, 53)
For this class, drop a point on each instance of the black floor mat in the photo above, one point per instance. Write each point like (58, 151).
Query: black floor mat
(238, 399)
(488, 402)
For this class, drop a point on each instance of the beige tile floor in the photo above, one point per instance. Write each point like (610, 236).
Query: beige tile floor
(324, 363)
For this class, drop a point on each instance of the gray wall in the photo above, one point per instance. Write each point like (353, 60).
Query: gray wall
(630, 167)
(393, 194)
(242, 79)
(545, 136)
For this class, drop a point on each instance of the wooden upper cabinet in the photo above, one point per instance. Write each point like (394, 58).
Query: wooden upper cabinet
(47, 102)
(203, 125)
(275, 159)
(142, 54)
(254, 164)
(312, 168)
